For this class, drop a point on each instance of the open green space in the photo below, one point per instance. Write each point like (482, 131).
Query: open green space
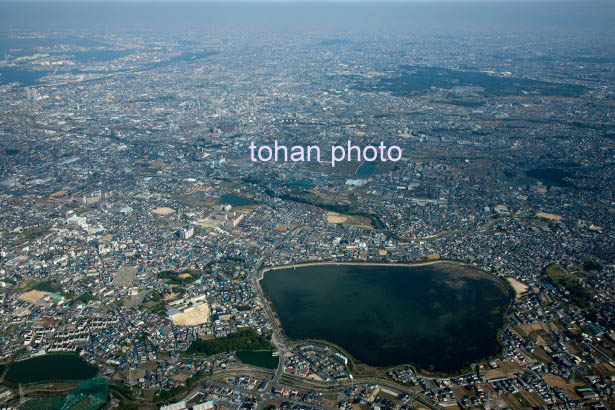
(309, 198)
(301, 183)
(183, 277)
(413, 80)
(556, 272)
(550, 176)
(569, 282)
(236, 200)
(48, 286)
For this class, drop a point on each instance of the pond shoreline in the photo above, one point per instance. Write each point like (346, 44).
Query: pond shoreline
(451, 278)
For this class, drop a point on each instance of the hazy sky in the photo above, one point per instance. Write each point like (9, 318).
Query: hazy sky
(306, 1)
(369, 15)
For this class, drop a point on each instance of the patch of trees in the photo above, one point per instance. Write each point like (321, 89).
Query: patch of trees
(180, 278)
(339, 208)
(591, 265)
(244, 339)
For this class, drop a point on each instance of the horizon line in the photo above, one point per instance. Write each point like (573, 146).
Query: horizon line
(85, 2)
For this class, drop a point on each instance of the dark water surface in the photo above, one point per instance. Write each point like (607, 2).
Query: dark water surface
(50, 367)
(20, 75)
(440, 317)
(258, 358)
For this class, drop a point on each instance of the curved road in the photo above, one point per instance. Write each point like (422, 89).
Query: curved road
(277, 337)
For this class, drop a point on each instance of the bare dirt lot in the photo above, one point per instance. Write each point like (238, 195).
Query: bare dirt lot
(32, 296)
(124, 276)
(569, 388)
(507, 369)
(163, 211)
(354, 220)
(192, 316)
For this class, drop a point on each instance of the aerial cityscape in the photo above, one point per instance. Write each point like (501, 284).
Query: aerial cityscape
(307, 206)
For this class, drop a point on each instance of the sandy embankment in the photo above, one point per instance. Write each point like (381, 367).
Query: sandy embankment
(519, 287)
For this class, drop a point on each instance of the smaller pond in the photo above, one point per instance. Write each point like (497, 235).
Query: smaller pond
(50, 367)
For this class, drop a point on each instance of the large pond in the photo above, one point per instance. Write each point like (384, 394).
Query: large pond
(440, 317)
(51, 367)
